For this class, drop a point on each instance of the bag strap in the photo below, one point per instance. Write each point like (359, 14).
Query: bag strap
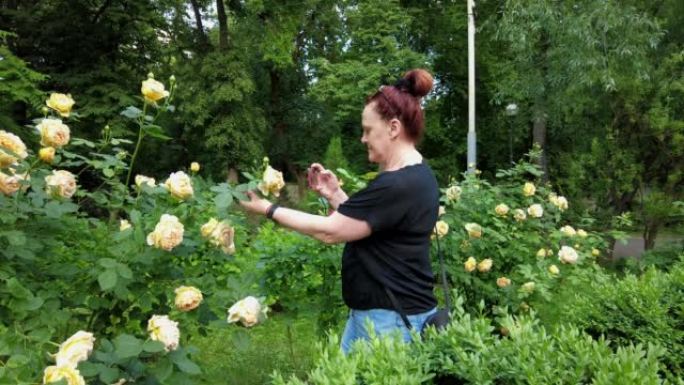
(395, 302)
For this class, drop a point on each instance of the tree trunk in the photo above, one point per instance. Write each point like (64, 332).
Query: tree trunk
(223, 25)
(539, 138)
(201, 35)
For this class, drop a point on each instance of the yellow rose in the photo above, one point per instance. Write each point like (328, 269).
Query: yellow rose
(567, 255)
(164, 330)
(453, 193)
(140, 179)
(559, 201)
(248, 311)
(535, 210)
(9, 184)
(220, 234)
(568, 231)
(470, 265)
(124, 225)
(55, 373)
(179, 185)
(271, 182)
(542, 253)
(441, 228)
(187, 298)
(12, 149)
(581, 233)
(595, 252)
(553, 269)
(153, 90)
(47, 154)
(167, 234)
(485, 265)
(474, 230)
(519, 215)
(60, 184)
(529, 189)
(528, 287)
(61, 103)
(53, 133)
(194, 167)
(75, 349)
(501, 209)
(502, 282)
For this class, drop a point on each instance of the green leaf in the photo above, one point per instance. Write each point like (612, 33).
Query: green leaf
(183, 363)
(14, 237)
(223, 201)
(16, 361)
(126, 346)
(155, 131)
(17, 290)
(153, 346)
(131, 112)
(124, 271)
(107, 279)
(109, 375)
(108, 172)
(163, 369)
(108, 263)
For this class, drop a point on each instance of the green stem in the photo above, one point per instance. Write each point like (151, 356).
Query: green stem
(137, 146)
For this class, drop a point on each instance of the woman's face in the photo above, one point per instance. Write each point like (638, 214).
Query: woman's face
(377, 134)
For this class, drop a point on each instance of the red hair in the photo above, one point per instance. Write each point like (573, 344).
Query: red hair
(402, 101)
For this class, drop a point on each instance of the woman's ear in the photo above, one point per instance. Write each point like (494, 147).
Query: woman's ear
(395, 127)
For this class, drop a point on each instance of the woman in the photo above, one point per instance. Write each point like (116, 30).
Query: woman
(387, 225)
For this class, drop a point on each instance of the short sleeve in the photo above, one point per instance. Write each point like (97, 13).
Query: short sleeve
(382, 204)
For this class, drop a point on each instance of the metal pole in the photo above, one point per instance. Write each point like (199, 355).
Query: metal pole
(472, 144)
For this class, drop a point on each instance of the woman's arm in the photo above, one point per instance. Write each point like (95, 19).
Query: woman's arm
(336, 228)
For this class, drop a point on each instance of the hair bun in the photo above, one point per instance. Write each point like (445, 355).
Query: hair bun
(418, 82)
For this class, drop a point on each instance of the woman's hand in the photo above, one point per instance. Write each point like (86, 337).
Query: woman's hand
(255, 204)
(323, 181)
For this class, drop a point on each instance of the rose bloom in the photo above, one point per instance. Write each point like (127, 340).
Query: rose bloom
(470, 265)
(567, 255)
(271, 182)
(140, 179)
(581, 233)
(528, 287)
(529, 189)
(441, 211)
(248, 311)
(55, 373)
(75, 349)
(568, 231)
(53, 133)
(61, 103)
(595, 252)
(220, 234)
(544, 253)
(553, 269)
(441, 228)
(167, 234)
(535, 210)
(9, 184)
(485, 265)
(124, 225)
(474, 230)
(164, 330)
(559, 201)
(153, 90)
(47, 154)
(501, 209)
(12, 143)
(519, 215)
(179, 185)
(60, 183)
(502, 282)
(187, 298)
(194, 167)
(453, 193)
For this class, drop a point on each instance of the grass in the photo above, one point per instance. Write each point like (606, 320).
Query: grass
(237, 355)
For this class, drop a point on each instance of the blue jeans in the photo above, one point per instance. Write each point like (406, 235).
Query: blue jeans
(385, 322)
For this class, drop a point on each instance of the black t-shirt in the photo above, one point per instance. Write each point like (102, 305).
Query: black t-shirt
(401, 208)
